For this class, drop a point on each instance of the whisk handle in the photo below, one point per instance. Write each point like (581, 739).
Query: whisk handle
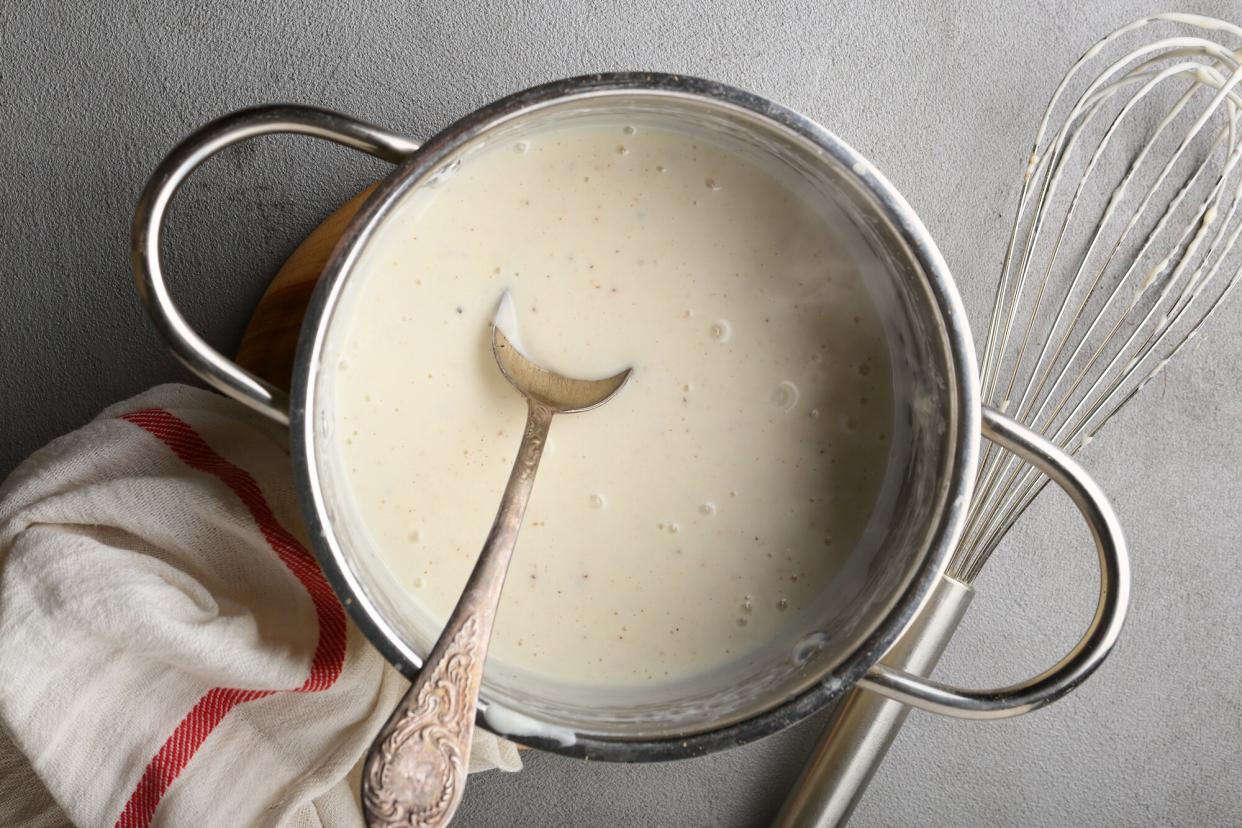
(1096, 642)
(864, 724)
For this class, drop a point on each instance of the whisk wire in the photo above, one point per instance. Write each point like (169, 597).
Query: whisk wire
(1029, 396)
(1034, 484)
(1102, 282)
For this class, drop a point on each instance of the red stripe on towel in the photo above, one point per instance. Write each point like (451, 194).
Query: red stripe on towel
(208, 711)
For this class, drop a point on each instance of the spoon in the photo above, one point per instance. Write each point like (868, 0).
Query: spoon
(415, 771)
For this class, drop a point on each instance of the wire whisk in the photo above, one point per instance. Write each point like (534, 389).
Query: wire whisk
(1123, 244)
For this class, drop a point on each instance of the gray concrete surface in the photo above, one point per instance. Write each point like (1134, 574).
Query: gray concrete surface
(943, 97)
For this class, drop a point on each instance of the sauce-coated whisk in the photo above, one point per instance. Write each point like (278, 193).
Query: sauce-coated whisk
(1123, 244)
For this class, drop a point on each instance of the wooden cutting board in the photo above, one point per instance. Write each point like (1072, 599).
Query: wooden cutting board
(271, 338)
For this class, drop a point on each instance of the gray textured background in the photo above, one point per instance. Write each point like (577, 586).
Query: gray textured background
(944, 98)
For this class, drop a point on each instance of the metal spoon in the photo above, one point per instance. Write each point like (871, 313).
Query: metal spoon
(416, 769)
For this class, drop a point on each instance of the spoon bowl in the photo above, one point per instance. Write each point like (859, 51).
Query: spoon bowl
(560, 393)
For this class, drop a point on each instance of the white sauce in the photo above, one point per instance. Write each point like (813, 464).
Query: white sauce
(692, 519)
(511, 723)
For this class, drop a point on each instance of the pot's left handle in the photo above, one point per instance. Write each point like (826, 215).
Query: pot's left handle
(208, 363)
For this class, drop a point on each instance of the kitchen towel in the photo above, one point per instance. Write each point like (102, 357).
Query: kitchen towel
(170, 654)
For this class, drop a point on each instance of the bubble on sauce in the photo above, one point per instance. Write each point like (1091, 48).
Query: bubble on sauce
(419, 583)
(865, 369)
(711, 184)
(521, 147)
(785, 396)
(687, 387)
(415, 536)
(622, 149)
(748, 604)
(782, 604)
(806, 648)
(628, 130)
(596, 501)
(673, 528)
(851, 424)
(742, 621)
(721, 330)
(343, 364)
(660, 168)
(707, 508)
(815, 413)
(686, 314)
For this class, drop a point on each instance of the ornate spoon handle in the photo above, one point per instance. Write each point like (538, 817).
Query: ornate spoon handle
(416, 770)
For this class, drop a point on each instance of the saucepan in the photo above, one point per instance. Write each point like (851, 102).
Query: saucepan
(859, 621)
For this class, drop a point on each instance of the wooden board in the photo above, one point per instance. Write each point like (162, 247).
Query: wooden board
(271, 338)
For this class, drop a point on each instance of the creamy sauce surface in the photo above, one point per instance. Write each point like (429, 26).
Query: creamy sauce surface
(695, 517)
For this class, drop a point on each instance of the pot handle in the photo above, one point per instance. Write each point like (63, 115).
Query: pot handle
(205, 361)
(1096, 642)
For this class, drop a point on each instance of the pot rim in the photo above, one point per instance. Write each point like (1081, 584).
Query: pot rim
(887, 201)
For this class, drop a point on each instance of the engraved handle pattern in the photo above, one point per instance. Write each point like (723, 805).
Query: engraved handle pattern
(415, 772)
(415, 776)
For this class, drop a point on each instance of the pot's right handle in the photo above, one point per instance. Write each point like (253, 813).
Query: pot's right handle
(864, 724)
(1096, 642)
(205, 361)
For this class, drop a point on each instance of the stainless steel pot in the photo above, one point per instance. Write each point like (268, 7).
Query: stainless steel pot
(933, 351)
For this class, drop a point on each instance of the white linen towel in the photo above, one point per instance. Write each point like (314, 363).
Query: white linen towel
(170, 654)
